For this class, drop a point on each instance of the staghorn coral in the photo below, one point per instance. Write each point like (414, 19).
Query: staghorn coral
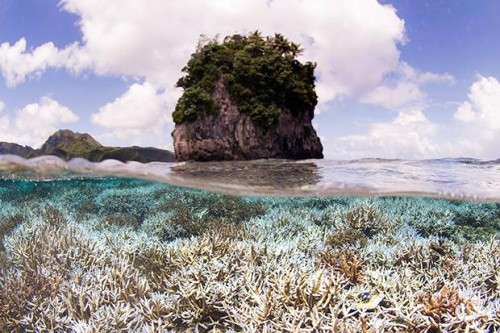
(442, 303)
(129, 202)
(274, 268)
(182, 214)
(356, 224)
(345, 261)
(365, 217)
(450, 309)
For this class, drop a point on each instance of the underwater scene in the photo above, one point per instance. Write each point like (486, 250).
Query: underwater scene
(89, 253)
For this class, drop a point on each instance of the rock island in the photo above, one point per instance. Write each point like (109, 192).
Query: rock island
(248, 97)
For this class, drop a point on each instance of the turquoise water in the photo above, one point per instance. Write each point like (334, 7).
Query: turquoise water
(84, 253)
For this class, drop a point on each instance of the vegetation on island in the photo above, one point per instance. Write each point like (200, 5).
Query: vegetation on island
(67, 144)
(262, 75)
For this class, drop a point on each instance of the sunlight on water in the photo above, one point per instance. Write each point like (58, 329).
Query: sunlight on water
(446, 178)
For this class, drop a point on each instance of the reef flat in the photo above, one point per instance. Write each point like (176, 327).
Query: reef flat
(110, 255)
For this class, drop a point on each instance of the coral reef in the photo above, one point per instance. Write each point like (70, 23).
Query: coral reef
(183, 260)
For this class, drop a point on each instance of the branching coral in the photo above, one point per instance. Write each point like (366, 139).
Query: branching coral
(344, 261)
(275, 267)
(366, 218)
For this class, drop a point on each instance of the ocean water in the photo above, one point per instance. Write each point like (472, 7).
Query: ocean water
(262, 246)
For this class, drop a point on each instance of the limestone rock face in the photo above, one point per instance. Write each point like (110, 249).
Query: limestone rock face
(231, 135)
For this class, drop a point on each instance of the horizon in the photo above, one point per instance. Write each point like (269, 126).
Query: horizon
(73, 132)
(395, 79)
(361, 159)
(326, 158)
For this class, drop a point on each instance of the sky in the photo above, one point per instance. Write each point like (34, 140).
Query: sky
(395, 78)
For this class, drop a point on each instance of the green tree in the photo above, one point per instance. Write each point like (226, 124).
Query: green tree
(261, 74)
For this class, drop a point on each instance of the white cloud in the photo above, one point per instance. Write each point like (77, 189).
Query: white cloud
(483, 107)
(409, 135)
(478, 119)
(139, 107)
(4, 128)
(32, 124)
(17, 64)
(354, 42)
(403, 88)
(2, 106)
(158, 136)
(398, 96)
(137, 116)
(465, 113)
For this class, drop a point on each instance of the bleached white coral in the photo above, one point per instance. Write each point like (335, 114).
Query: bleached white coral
(274, 270)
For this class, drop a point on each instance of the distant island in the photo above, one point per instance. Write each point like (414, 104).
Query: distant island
(67, 144)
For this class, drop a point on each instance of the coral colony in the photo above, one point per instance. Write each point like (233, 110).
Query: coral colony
(109, 255)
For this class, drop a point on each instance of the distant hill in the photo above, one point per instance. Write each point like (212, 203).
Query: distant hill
(14, 149)
(67, 144)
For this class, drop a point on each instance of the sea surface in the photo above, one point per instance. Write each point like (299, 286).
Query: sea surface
(368, 245)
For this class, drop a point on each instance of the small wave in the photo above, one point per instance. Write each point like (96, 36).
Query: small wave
(467, 179)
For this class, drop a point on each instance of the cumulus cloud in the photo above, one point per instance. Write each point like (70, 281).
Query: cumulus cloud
(157, 136)
(138, 108)
(33, 123)
(483, 106)
(403, 88)
(409, 135)
(479, 118)
(17, 63)
(354, 42)
(139, 113)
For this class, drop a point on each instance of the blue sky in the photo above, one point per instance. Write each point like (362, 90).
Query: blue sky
(396, 78)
